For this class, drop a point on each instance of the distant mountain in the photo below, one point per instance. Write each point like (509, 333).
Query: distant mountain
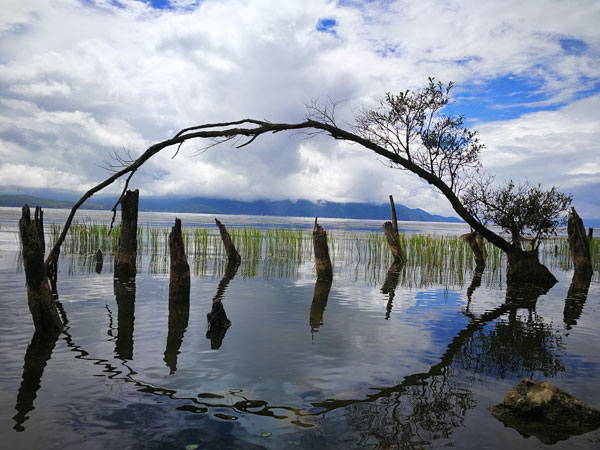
(20, 200)
(300, 208)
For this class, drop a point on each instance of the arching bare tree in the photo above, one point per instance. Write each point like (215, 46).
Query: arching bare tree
(408, 130)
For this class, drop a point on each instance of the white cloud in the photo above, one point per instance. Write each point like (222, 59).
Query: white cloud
(78, 79)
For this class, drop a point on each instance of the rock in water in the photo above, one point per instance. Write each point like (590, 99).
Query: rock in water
(544, 411)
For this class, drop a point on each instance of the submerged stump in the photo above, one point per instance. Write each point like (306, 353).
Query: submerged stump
(475, 241)
(179, 283)
(322, 260)
(525, 267)
(392, 235)
(39, 294)
(579, 244)
(126, 254)
(544, 411)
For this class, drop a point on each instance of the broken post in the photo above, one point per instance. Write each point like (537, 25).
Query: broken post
(179, 284)
(476, 243)
(393, 236)
(579, 245)
(99, 261)
(126, 254)
(232, 254)
(322, 261)
(39, 295)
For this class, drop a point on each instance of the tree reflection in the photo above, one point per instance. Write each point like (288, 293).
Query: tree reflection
(389, 285)
(319, 302)
(179, 314)
(576, 298)
(124, 290)
(216, 332)
(37, 356)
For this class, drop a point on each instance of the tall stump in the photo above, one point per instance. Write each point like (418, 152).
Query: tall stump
(179, 284)
(126, 254)
(579, 244)
(392, 235)
(39, 295)
(322, 260)
(475, 241)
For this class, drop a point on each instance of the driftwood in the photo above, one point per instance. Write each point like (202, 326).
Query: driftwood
(322, 261)
(126, 254)
(179, 284)
(579, 245)
(475, 241)
(39, 295)
(232, 254)
(393, 236)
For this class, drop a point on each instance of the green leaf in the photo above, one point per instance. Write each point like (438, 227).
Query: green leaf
(191, 447)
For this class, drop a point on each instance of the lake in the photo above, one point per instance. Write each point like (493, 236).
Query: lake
(408, 358)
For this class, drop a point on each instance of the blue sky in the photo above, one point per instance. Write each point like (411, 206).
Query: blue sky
(81, 79)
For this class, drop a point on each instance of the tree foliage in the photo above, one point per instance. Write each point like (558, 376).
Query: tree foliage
(412, 124)
(521, 209)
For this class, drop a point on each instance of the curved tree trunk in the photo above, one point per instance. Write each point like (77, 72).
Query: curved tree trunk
(126, 254)
(39, 295)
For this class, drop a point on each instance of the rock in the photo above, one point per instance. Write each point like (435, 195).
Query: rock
(544, 411)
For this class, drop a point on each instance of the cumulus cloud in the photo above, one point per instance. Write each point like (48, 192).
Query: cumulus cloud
(80, 79)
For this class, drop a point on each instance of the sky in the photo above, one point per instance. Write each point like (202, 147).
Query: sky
(83, 79)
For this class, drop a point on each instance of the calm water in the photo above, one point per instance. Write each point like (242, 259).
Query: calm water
(372, 361)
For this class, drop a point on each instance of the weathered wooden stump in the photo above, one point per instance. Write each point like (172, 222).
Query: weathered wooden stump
(39, 295)
(232, 254)
(579, 244)
(179, 283)
(322, 260)
(126, 254)
(544, 411)
(392, 235)
(475, 241)
(99, 261)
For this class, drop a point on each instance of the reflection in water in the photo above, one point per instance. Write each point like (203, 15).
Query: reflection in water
(37, 356)
(125, 297)
(218, 327)
(179, 314)
(475, 283)
(576, 297)
(319, 302)
(389, 285)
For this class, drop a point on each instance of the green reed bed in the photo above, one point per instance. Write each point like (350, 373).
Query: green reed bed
(281, 252)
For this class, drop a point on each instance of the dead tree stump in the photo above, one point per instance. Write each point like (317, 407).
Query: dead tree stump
(99, 261)
(322, 261)
(476, 243)
(179, 284)
(126, 254)
(232, 254)
(39, 295)
(393, 236)
(579, 245)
